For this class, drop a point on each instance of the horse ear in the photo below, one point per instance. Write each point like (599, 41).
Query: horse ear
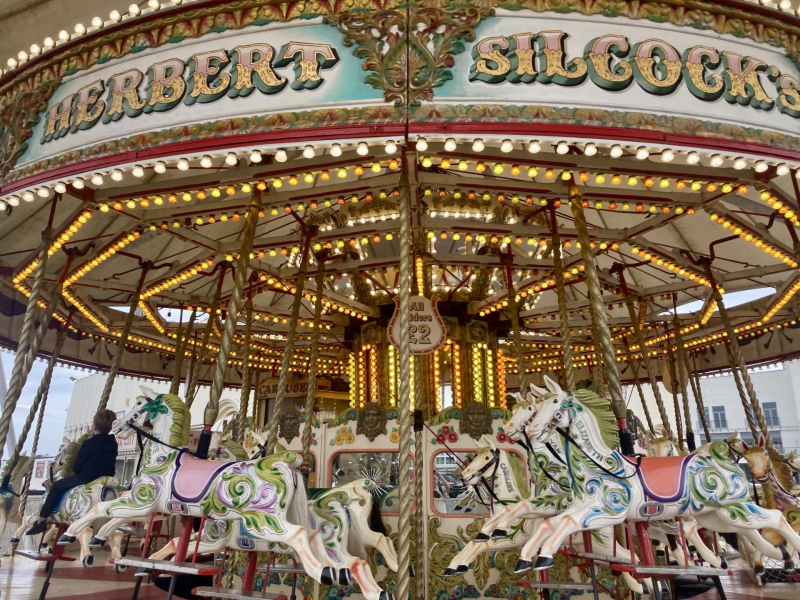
(744, 445)
(552, 385)
(761, 441)
(650, 436)
(146, 391)
(536, 391)
(487, 441)
(791, 456)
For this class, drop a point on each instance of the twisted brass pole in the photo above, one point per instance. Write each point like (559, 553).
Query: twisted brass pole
(244, 398)
(698, 397)
(255, 396)
(600, 324)
(598, 376)
(672, 370)
(311, 395)
(404, 400)
(742, 394)
(286, 359)
(513, 309)
(420, 555)
(234, 308)
(126, 331)
(180, 350)
(563, 315)
(680, 372)
(202, 351)
(635, 372)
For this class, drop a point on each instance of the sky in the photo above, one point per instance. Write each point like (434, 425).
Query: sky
(58, 399)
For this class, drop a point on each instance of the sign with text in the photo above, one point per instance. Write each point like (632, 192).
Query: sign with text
(294, 389)
(426, 329)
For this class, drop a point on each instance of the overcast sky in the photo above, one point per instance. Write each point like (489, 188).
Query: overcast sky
(57, 403)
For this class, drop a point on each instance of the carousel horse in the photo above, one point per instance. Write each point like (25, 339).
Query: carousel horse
(511, 486)
(75, 504)
(264, 494)
(10, 509)
(793, 461)
(341, 516)
(609, 488)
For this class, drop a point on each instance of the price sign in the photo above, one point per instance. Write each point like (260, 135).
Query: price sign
(426, 328)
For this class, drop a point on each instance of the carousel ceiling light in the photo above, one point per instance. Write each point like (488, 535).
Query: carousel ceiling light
(362, 149)
(667, 155)
(22, 56)
(43, 192)
(785, 5)
(60, 187)
(255, 156)
(782, 169)
(336, 150)
(79, 183)
(230, 159)
(739, 163)
(616, 151)
(116, 175)
(693, 158)
(134, 10)
(716, 160)
(13, 201)
(160, 167)
(97, 179)
(562, 148)
(63, 35)
(183, 164)
(137, 171)
(422, 144)
(642, 153)
(205, 162)
(97, 22)
(115, 16)
(12, 62)
(154, 4)
(391, 147)
(35, 49)
(761, 166)
(80, 29)
(281, 156)
(48, 43)
(506, 146)
(28, 196)
(2, 204)
(590, 149)
(450, 144)
(478, 145)
(308, 152)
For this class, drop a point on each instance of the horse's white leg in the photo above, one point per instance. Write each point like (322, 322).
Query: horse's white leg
(49, 535)
(168, 550)
(603, 546)
(693, 537)
(21, 530)
(520, 510)
(540, 534)
(116, 544)
(85, 521)
(492, 522)
(112, 525)
(376, 540)
(86, 552)
(718, 521)
(359, 570)
(298, 538)
(569, 524)
(462, 560)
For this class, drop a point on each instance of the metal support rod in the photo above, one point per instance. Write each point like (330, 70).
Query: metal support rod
(255, 395)
(200, 353)
(420, 569)
(751, 423)
(694, 378)
(404, 399)
(311, 395)
(635, 372)
(599, 376)
(682, 375)
(244, 398)
(19, 372)
(600, 324)
(648, 364)
(513, 309)
(180, 351)
(286, 359)
(563, 315)
(676, 402)
(234, 308)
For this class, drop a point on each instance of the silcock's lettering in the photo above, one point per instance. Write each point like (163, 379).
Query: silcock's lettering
(612, 63)
(204, 77)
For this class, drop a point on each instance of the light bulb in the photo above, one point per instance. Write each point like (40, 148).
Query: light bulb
(13, 201)
(160, 167)
(478, 145)
(35, 49)
(562, 147)
(450, 144)
(422, 144)
(230, 159)
(205, 162)
(60, 187)
(2, 204)
(362, 149)
(391, 147)
(134, 10)
(716, 160)
(12, 62)
(506, 146)
(97, 179)
(642, 153)
(115, 16)
(255, 156)
(590, 149)
(183, 164)
(667, 155)
(48, 43)
(534, 146)
(116, 175)
(336, 150)
(28, 196)
(154, 4)
(761, 166)
(79, 183)
(280, 155)
(782, 169)
(97, 22)
(616, 151)
(63, 35)
(22, 56)
(785, 5)
(739, 163)
(693, 158)
(308, 152)
(43, 192)
(80, 29)
(137, 171)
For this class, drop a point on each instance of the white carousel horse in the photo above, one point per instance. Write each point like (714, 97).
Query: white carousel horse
(511, 487)
(609, 488)
(341, 516)
(264, 494)
(75, 504)
(10, 509)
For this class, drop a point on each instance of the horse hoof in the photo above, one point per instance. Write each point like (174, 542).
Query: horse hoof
(758, 569)
(660, 554)
(482, 537)
(345, 578)
(522, 566)
(788, 566)
(499, 533)
(66, 539)
(785, 553)
(448, 572)
(15, 540)
(723, 563)
(386, 596)
(88, 560)
(462, 568)
(96, 542)
(645, 589)
(327, 576)
(543, 562)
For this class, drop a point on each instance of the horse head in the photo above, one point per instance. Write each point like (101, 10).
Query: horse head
(736, 445)
(793, 461)
(487, 456)
(552, 412)
(757, 458)
(659, 443)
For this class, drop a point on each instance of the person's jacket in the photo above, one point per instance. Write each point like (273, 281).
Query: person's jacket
(97, 457)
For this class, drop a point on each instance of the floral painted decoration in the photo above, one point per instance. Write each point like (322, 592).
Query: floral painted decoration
(444, 435)
(503, 437)
(394, 437)
(344, 435)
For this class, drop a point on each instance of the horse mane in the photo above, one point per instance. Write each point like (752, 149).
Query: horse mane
(70, 455)
(599, 407)
(21, 468)
(236, 449)
(181, 420)
(781, 469)
(518, 470)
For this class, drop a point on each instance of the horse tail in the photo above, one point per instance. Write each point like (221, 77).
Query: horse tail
(297, 512)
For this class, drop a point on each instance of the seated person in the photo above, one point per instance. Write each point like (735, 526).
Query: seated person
(96, 458)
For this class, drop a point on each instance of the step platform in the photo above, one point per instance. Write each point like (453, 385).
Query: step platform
(282, 569)
(167, 566)
(619, 564)
(231, 594)
(43, 556)
(555, 585)
(139, 532)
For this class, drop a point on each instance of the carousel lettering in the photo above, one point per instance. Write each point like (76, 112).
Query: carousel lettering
(205, 77)
(613, 64)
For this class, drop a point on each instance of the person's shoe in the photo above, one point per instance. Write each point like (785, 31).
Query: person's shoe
(39, 527)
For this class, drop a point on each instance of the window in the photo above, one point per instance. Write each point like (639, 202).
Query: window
(771, 414)
(120, 414)
(381, 467)
(719, 421)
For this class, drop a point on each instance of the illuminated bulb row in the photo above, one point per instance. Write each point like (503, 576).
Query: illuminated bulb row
(670, 266)
(458, 390)
(85, 310)
(781, 302)
(135, 339)
(419, 271)
(477, 374)
(712, 306)
(749, 236)
(490, 383)
(103, 256)
(501, 379)
(393, 389)
(155, 321)
(786, 212)
(437, 380)
(179, 278)
(535, 287)
(334, 306)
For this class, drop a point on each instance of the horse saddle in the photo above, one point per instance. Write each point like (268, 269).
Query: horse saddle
(663, 479)
(193, 477)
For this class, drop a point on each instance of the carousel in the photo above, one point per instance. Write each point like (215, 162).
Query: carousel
(449, 251)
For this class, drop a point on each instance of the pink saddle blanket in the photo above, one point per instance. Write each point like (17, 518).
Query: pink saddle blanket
(193, 477)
